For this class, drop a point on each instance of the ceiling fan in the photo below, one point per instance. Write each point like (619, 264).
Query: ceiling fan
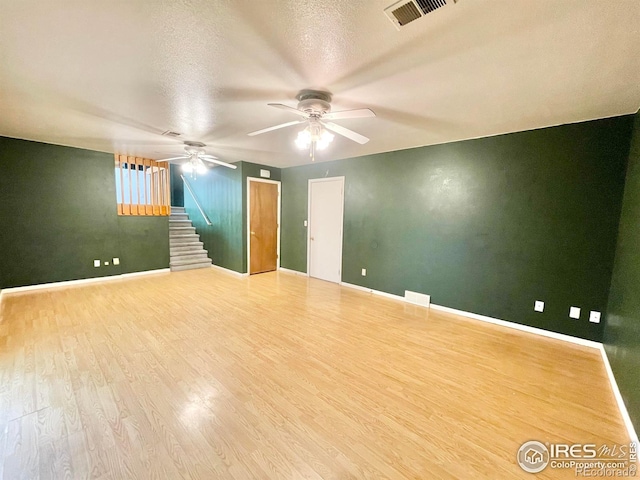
(315, 108)
(194, 158)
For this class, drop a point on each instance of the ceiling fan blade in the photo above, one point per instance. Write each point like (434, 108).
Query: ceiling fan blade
(358, 113)
(206, 155)
(282, 125)
(219, 162)
(287, 108)
(345, 132)
(172, 159)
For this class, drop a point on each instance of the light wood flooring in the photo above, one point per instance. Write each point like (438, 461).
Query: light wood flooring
(202, 374)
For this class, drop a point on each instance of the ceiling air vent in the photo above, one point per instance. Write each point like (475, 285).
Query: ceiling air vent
(170, 133)
(406, 11)
(428, 6)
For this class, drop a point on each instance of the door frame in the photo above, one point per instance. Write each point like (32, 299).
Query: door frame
(263, 180)
(318, 180)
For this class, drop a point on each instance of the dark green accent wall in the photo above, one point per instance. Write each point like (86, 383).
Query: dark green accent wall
(219, 192)
(143, 243)
(177, 187)
(486, 226)
(222, 193)
(58, 213)
(622, 327)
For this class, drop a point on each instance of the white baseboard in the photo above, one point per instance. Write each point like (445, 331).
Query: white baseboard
(483, 318)
(293, 272)
(375, 292)
(537, 331)
(227, 270)
(619, 400)
(84, 281)
(517, 326)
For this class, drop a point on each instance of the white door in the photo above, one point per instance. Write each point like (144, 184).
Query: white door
(326, 202)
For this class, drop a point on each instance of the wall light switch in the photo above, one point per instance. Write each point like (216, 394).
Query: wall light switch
(106, 263)
(594, 317)
(364, 272)
(96, 263)
(539, 306)
(305, 223)
(116, 261)
(574, 312)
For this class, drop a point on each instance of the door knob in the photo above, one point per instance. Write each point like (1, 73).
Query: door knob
(312, 239)
(253, 233)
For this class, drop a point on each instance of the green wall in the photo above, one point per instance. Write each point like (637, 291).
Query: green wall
(486, 226)
(622, 327)
(177, 188)
(58, 213)
(219, 192)
(222, 193)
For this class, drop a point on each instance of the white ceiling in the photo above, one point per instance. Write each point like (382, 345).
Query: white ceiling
(113, 75)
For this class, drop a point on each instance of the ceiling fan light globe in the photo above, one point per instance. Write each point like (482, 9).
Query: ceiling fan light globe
(327, 137)
(187, 167)
(303, 140)
(201, 169)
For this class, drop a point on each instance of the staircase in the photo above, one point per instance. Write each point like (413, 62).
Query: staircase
(185, 248)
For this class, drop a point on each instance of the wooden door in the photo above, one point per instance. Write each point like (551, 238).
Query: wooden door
(326, 202)
(263, 227)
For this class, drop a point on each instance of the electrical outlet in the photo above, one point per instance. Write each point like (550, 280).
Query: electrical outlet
(116, 261)
(106, 263)
(594, 317)
(574, 312)
(539, 306)
(364, 272)
(305, 223)
(96, 263)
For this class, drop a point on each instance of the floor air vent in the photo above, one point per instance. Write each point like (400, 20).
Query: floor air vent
(406, 11)
(417, 298)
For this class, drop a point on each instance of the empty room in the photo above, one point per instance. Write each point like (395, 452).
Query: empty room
(319, 239)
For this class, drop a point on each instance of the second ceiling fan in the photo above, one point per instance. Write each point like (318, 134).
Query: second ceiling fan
(315, 108)
(194, 158)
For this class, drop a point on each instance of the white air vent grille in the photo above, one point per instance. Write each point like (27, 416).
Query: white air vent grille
(170, 133)
(417, 298)
(406, 11)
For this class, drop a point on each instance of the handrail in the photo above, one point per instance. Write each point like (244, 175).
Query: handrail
(193, 195)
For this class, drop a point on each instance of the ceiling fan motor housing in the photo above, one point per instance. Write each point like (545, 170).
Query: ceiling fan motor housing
(314, 102)
(194, 148)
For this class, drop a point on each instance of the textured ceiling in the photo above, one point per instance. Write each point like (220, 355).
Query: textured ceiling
(113, 75)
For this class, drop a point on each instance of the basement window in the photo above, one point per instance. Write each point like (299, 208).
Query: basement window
(142, 186)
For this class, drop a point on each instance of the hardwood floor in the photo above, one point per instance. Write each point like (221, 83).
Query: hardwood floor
(201, 374)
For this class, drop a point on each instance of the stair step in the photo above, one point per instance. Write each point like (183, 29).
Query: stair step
(180, 223)
(192, 266)
(179, 216)
(178, 231)
(197, 257)
(183, 245)
(181, 249)
(181, 239)
(177, 210)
